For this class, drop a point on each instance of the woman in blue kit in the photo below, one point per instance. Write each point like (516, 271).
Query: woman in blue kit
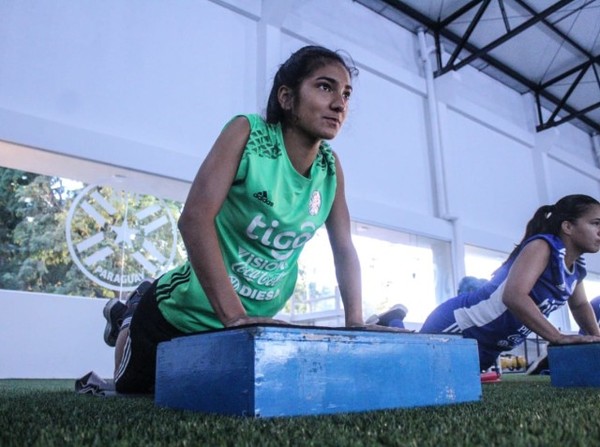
(544, 271)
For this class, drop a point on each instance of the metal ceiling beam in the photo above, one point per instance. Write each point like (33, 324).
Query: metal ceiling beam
(554, 29)
(578, 114)
(568, 93)
(483, 54)
(527, 83)
(465, 38)
(453, 38)
(458, 13)
(504, 15)
(582, 68)
(410, 12)
(538, 17)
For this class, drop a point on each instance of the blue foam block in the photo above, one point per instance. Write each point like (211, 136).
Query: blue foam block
(575, 365)
(269, 371)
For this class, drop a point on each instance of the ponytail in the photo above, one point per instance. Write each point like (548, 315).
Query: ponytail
(548, 219)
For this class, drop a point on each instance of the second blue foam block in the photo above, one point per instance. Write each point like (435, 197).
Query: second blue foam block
(575, 365)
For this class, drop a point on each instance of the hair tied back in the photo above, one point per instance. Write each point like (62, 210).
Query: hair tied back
(549, 210)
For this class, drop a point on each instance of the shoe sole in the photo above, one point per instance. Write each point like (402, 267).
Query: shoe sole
(538, 366)
(110, 341)
(399, 307)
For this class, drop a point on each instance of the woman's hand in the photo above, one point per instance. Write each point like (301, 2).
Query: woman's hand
(245, 320)
(565, 339)
(378, 328)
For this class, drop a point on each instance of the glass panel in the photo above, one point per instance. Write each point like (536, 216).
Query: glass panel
(482, 262)
(316, 288)
(62, 236)
(403, 268)
(396, 267)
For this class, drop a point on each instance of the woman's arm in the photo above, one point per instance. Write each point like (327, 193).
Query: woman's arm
(345, 257)
(524, 273)
(582, 311)
(197, 222)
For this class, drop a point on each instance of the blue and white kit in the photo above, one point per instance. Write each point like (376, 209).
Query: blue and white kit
(481, 314)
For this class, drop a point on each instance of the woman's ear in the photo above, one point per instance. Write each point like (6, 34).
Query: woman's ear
(285, 97)
(566, 227)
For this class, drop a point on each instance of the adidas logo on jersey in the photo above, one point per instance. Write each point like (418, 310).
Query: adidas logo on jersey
(263, 197)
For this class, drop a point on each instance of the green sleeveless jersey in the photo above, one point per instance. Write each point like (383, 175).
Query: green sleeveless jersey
(270, 212)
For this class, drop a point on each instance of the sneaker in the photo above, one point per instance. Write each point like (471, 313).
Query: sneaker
(490, 377)
(133, 301)
(114, 310)
(392, 318)
(539, 366)
(118, 314)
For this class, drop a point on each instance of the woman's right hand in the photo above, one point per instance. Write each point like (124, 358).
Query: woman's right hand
(576, 338)
(246, 320)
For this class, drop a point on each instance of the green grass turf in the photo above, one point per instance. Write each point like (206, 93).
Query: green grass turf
(519, 411)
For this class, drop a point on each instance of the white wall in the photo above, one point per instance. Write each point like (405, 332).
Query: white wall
(52, 336)
(93, 89)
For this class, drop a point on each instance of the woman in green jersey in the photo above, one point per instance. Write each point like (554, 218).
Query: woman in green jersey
(262, 192)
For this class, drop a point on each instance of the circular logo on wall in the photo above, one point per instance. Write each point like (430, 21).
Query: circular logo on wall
(118, 238)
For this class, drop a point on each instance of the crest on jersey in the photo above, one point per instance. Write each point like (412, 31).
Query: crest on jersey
(315, 203)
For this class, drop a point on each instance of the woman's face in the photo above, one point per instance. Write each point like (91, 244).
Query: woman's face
(321, 105)
(585, 231)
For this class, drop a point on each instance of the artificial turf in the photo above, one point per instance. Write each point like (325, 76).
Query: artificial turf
(518, 411)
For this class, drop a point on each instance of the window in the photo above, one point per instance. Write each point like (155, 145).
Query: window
(397, 267)
(592, 290)
(74, 237)
(62, 236)
(482, 262)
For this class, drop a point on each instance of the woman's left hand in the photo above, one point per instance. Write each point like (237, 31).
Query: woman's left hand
(378, 328)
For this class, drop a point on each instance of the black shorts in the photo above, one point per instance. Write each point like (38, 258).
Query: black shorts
(137, 372)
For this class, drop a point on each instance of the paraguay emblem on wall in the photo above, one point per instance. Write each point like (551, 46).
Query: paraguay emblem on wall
(118, 238)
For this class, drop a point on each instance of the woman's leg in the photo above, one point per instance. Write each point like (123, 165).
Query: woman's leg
(135, 354)
(442, 319)
(120, 347)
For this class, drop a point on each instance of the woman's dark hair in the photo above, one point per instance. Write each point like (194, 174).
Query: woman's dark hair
(297, 68)
(549, 218)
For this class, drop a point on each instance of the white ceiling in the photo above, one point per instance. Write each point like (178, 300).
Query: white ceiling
(547, 47)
